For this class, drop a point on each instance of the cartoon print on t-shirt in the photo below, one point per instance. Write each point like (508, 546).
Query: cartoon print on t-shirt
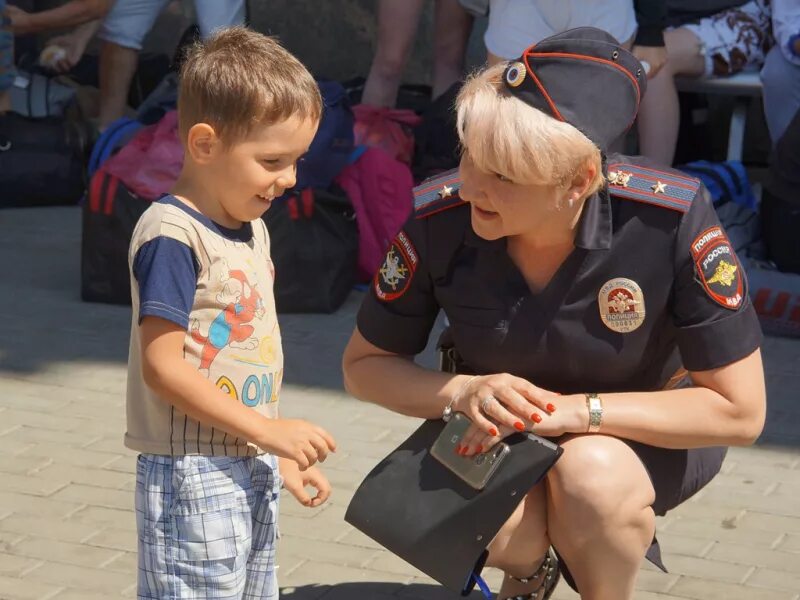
(230, 327)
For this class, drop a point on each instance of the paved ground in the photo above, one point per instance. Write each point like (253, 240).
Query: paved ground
(66, 520)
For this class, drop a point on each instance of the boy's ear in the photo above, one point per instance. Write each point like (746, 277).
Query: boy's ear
(202, 142)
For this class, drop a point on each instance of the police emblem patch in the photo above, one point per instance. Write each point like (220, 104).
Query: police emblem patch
(621, 304)
(397, 271)
(717, 268)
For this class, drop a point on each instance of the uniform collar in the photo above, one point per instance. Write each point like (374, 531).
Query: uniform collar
(594, 226)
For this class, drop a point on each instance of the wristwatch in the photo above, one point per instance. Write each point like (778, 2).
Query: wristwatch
(595, 406)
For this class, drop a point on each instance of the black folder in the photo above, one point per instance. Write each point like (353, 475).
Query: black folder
(414, 506)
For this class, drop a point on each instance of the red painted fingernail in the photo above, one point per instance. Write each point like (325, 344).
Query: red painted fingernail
(551, 408)
(458, 449)
(519, 426)
(493, 432)
(536, 418)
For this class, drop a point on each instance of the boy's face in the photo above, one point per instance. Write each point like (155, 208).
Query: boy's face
(250, 173)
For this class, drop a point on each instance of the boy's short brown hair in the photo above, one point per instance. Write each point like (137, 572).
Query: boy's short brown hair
(238, 79)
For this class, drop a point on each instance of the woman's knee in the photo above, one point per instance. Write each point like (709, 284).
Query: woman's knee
(601, 476)
(684, 53)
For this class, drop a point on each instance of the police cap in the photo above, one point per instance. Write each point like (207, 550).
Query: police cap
(584, 77)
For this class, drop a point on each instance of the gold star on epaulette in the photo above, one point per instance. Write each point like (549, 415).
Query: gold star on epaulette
(445, 192)
(659, 188)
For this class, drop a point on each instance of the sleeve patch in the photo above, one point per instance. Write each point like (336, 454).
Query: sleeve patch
(395, 275)
(717, 268)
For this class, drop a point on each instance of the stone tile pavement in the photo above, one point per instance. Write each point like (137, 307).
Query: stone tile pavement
(66, 519)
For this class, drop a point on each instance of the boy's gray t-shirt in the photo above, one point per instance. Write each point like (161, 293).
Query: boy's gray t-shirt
(218, 284)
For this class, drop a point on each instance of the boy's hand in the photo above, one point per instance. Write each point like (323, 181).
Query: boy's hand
(298, 440)
(296, 481)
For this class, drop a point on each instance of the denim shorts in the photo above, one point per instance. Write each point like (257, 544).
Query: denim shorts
(207, 527)
(129, 21)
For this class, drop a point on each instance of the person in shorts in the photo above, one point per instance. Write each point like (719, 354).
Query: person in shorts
(6, 59)
(206, 364)
(123, 32)
(719, 45)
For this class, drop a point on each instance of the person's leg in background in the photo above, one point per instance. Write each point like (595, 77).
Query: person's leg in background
(397, 25)
(6, 61)
(780, 203)
(721, 45)
(659, 112)
(214, 14)
(781, 79)
(123, 31)
(452, 27)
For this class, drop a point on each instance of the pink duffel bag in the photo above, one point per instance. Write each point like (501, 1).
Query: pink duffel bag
(150, 163)
(381, 190)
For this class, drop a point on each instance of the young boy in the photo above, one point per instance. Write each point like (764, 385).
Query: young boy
(205, 361)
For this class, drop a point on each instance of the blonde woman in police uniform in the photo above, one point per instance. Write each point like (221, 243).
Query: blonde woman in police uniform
(594, 299)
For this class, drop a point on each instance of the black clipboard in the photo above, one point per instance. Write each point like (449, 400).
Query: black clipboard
(418, 509)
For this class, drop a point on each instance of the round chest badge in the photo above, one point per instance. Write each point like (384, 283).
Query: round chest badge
(621, 304)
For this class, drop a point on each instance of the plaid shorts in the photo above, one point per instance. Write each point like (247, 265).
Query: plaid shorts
(7, 71)
(207, 527)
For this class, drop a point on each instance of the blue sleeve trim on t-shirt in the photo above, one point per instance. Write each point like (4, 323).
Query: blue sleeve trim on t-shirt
(166, 271)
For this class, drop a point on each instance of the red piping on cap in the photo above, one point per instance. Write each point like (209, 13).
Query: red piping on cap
(594, 59)
(542, 89)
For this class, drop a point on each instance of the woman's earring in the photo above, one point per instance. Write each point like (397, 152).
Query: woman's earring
(563, 203)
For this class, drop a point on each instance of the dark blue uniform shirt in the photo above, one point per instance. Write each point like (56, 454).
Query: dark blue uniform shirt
(653, 286)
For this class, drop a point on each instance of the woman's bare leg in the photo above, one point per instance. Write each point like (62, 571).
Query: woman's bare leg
(397, 25)
(659, 112)
(520, 545)
(599, 514)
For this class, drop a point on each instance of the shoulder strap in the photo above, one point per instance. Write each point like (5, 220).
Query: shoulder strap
(437, 194)
(652, 186)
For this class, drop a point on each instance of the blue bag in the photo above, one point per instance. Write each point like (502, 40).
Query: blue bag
(332, 146)
(111, 140)
(726, 181)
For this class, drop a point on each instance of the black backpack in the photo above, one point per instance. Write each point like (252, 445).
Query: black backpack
(314, 245)
(41, 160)
(110, 214)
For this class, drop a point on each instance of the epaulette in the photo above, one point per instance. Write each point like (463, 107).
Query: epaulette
(651, 186)
(437, 194)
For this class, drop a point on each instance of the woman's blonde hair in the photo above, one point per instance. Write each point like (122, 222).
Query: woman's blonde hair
(502, 134)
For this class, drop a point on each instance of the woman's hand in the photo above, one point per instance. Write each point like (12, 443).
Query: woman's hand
(568, 415)
(503, 400)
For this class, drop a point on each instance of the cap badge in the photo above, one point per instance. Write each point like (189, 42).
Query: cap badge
(620, 178)
(515, 74)
(621, 304)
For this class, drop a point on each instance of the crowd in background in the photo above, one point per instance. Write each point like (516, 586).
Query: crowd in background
(672, 39)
